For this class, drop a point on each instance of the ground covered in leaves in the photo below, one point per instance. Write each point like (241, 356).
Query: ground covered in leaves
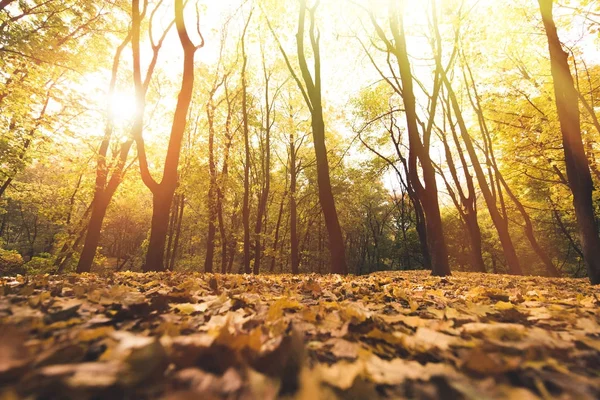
(386, 335)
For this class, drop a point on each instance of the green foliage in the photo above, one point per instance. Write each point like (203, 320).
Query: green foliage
(190, 264)
(11, 262)
(43, 263)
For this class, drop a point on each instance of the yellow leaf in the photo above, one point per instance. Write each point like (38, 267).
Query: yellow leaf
(503, 305)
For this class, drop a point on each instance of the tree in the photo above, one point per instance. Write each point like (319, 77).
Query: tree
(268, 116)
(108, 177)
(418, 149)
(163, 191)
(211, 106)
(578, 171)
(246, 202)
(311, 91)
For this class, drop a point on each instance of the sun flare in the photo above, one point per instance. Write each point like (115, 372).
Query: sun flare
(122, 106)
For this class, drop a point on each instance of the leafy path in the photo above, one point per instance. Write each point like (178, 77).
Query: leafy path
(387, 335)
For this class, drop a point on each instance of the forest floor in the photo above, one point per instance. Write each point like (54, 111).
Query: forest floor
(386, 335)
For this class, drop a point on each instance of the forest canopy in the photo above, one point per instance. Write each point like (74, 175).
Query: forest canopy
(264, 136)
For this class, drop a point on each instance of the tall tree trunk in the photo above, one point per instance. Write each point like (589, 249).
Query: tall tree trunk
(295, 254)
(212, 188)
(223, 181)
(500, 223)
(311, 91)
(467, 206)
(418, 151)
(246, 200)
(162, 193)
(336, 241)
(220, 200)
(578, 171)
(261, 214)
(171, 264)
(551, 269)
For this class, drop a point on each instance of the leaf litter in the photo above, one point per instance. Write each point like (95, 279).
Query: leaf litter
(386, 335)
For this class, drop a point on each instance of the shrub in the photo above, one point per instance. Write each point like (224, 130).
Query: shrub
(192, 264)
(11, 262)
(43, 263)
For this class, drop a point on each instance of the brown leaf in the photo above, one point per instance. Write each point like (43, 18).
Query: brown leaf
(14, 357)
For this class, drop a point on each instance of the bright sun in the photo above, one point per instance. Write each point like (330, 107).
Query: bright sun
(123, 106)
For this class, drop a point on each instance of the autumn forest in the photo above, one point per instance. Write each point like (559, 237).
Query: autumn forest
(299, 199)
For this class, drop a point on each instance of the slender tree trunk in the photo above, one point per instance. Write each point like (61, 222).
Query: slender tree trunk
(171, 229)
(295, 254)
(467, 206)
(578, 171)
(5, 186)
(171, 265)
(212, 209)
(336, 241)
(566, 232)
(311, 91)
(223, 235)
(418, 207)
(276, 238)
(223, 183)
(261, 214)
(418, 151)
(92, 236)
(320, 249)
(477, 262)
(528, 229)
(500, 223)
(220, 199)
(414, 199)
(246, 200)
(210, 242)
(163, 192)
